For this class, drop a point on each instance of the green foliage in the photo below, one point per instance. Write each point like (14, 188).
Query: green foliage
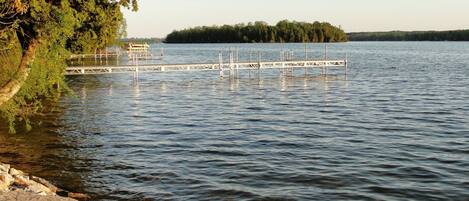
(100, 24)
(10, 56)
(260, 32)
(457, 35)
(61, 27)
(47, 68)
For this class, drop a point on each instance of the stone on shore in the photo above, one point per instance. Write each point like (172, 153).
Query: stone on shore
(46, 183)
(16, 185)
(5, 182)
(4, 168)
(22, 196)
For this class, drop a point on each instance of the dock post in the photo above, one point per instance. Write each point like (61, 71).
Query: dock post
(306, 53)
(220, 61)
(306, 59)
(106, 57)
(235, 62)
(325, 68)
(306, 69)
(324, 62)
(259, 64)
(346, 64)
(231, 64)
(325, 51)
(136, 73)
(100, 57)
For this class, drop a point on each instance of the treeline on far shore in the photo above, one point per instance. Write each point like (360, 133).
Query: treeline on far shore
(455, 35)
(260, 32)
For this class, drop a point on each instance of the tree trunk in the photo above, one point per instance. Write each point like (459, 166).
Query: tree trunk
(13, 85)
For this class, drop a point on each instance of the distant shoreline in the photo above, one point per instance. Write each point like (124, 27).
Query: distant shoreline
(385, 36)
(452, 35)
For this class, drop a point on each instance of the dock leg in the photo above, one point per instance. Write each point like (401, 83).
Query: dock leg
(136, 73)
(232, 70)
(346, 64)
(259, 64)
(237, 71)
(221, 72)
(323, 69)
(220, 63)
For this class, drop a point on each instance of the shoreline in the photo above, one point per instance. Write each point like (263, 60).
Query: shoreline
(17, 185)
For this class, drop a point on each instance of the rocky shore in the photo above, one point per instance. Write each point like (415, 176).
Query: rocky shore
(17, 185)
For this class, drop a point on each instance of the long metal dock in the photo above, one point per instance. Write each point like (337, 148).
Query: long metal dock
(231, 67)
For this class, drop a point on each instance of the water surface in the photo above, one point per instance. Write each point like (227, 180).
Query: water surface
(396, 128)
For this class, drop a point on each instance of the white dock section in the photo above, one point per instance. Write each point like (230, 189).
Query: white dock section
(222, 67)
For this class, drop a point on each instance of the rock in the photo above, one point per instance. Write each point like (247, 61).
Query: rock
(5, 182)
(79, 196)
(23, 196)
(44, 182)
(21, 180)
(39, 189)
(16, 185)
(4, 168)
(14, 172)
(42, 193)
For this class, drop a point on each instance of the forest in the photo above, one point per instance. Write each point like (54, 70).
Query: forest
(455, 35)
(260, 32)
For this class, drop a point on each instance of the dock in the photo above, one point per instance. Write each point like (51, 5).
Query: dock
(286, 64)
(232, 68)
(132, 51)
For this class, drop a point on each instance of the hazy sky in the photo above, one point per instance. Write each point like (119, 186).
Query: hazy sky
(156, 18)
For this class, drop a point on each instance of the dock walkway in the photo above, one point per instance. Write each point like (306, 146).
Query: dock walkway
(231, 67)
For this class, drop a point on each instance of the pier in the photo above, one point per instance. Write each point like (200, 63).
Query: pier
(232, 68)
(286, 64)
(132, 51)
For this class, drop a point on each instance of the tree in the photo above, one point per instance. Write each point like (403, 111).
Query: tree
(456, 35)
(258, 32)
(45, 32)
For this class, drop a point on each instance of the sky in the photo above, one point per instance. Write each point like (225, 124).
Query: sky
(157, 18)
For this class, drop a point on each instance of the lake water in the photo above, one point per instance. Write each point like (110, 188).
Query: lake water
(396, 128)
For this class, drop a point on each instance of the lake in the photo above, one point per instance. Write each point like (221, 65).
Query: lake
(395, 128)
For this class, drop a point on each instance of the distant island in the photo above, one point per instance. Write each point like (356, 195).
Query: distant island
(260, 32)
(455, 35)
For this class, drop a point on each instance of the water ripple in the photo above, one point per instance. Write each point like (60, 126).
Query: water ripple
(396, 129)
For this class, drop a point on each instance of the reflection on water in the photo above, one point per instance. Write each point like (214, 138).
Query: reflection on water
(396, 128)
(48, 152)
